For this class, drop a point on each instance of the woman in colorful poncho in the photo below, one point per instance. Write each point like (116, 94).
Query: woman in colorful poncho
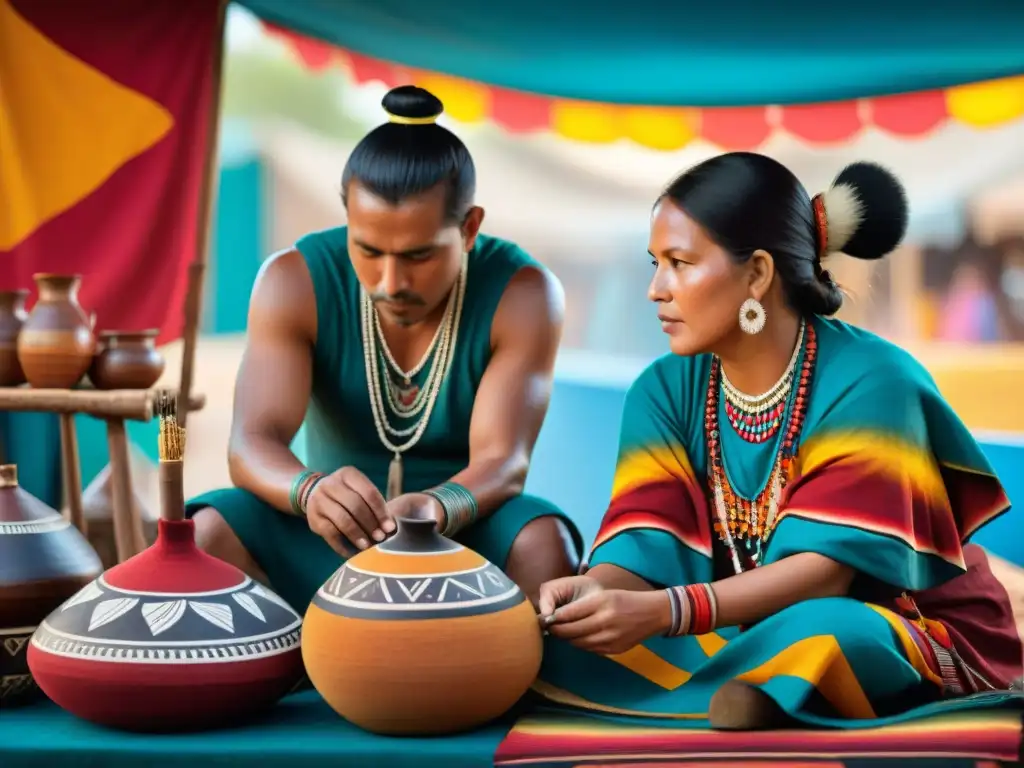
(786, 539)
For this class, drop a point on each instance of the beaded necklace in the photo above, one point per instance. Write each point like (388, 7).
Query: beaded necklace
(756, 418)
(405, 399)
(744, 525)
(445, 353)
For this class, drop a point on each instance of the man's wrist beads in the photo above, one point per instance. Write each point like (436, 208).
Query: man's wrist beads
(302, 488)
(459, 505)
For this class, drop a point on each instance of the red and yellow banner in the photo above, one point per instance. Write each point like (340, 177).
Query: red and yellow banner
(980, 105)
(104, 126)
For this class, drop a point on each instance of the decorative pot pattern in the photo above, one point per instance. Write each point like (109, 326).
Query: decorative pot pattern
(170, 640)
(12, 318)
(420, 635)
(245, 622)
(56, 344)
(43, 561)
(126, 360)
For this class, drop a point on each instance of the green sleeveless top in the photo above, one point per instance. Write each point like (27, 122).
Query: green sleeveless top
(338, 429)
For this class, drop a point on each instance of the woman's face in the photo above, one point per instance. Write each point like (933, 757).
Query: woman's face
(698, 287)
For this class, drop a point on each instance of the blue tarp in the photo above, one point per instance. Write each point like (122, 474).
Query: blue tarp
(684, 53)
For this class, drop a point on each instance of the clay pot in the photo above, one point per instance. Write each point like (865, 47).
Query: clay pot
(43, 561)
(126, 360)
(171, 639)
(56, 344)
(12, 318)
(420, 635)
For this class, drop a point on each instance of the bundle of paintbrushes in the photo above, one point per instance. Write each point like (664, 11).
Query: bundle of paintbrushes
(172, 454)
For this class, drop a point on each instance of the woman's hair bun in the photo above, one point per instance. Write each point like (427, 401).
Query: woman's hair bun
(412, 102)
(866, 211)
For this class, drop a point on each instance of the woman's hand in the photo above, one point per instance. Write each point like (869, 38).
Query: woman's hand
(609, 621)
(559, 592)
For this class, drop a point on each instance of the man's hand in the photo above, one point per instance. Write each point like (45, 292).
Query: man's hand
(419, 506)
(346, 505)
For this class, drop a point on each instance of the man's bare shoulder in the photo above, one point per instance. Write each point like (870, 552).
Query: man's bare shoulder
(283, 293)
(283, 271)
(532, 306)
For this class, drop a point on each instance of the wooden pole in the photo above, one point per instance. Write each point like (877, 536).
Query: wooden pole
(128, 535)
(207, 194)
(134, 404)
(71, 472)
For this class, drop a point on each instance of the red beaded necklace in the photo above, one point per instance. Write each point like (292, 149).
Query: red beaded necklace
(749, 522)
(758, 418)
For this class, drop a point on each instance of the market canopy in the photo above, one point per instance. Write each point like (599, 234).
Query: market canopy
(107, 109)
(663, 53)
(907, 115)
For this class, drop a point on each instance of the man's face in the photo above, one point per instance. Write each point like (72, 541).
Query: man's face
(406, 256)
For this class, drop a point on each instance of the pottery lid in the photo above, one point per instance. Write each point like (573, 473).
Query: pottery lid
(8, 475)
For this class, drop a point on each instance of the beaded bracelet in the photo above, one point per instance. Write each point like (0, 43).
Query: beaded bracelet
(307, 491)
(302, 487)
(460, 509)
(694, 610)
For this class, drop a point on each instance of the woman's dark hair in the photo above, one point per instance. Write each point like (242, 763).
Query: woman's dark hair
(410, 154)
(746, 201)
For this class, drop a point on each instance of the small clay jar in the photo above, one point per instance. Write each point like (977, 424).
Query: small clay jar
(126, 360)
(56, 344)
(12, 318)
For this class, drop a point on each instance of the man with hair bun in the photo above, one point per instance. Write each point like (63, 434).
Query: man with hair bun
(417, 353)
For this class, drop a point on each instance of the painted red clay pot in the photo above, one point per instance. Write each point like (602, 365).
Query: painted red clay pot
(169, 640)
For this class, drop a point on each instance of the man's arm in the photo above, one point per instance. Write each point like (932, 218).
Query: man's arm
(274, 380)
(514, 393)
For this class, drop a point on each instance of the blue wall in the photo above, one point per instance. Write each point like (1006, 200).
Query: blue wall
(238, 246)
(575, 459)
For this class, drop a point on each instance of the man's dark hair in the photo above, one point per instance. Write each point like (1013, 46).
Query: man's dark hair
(410, 154)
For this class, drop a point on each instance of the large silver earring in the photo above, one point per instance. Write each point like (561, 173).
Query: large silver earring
(752, 316)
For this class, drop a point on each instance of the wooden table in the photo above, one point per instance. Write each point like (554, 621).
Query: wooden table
(114, 407)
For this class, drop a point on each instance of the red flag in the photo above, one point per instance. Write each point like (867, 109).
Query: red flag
(104, 128)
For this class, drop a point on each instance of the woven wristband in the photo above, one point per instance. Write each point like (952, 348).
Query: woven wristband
(460, 509)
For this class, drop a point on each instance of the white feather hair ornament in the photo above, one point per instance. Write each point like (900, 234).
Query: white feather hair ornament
(843, 213)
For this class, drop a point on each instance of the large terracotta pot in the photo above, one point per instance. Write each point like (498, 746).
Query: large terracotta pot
(12, 318)
(420, 635)
(126, 360)
(43, 561)
(172, 639)
(56, 344)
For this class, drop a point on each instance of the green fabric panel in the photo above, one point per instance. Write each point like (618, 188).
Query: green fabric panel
(301, 730)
